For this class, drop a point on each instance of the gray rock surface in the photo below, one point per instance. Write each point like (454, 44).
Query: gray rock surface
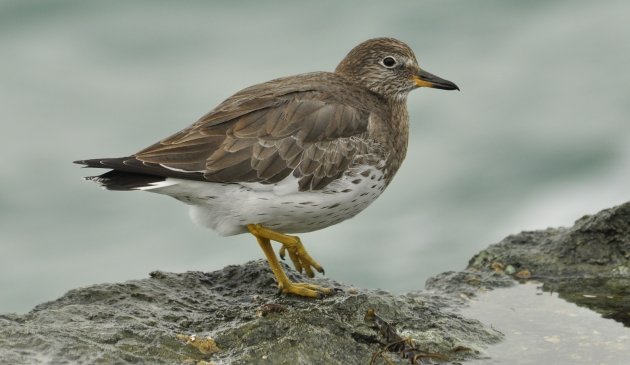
(596, 245)
(151, 320)
(235, 315)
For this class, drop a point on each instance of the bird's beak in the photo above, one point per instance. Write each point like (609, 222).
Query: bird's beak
(425, 79)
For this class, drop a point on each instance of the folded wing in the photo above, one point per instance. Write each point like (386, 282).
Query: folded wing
(260, 138)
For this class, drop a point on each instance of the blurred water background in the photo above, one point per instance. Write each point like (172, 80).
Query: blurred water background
(538, 136)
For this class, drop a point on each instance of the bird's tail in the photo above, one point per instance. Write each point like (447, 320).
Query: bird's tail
(120, 180)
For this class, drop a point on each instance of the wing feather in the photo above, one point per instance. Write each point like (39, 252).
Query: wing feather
(261, 135)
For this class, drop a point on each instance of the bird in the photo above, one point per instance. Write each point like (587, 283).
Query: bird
(292, 155)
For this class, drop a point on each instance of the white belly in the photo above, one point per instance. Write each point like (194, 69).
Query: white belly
(229, 208)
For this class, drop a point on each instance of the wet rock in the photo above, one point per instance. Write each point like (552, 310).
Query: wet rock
(233, 316)
(587, 264)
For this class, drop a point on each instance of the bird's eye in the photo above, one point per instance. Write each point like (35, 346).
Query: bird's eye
(389, 62)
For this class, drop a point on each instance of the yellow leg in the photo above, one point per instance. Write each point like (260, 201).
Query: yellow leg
(297, 253)
(284, 283)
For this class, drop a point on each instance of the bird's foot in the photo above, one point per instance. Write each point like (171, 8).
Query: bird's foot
(302, 261)
(304, 289)
(300, 257)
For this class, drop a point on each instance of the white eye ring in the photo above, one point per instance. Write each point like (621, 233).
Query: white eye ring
(389, 62)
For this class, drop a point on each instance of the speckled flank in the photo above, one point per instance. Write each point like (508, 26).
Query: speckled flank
(228, 208)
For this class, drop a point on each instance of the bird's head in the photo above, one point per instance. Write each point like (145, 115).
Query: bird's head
(389, 68)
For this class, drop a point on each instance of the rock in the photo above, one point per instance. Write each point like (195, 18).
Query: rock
(231, 316)
(587, 264)
(235, 315)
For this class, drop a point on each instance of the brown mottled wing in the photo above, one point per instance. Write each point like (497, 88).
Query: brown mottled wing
(264, 140)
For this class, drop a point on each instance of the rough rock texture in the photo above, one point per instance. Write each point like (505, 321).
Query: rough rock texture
(235, 315)
(587, 264)
(238, 307)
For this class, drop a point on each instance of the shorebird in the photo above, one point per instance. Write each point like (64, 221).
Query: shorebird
(291, 155)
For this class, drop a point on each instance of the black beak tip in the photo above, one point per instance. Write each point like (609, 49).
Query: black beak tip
(446, 86)
(430, 80)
